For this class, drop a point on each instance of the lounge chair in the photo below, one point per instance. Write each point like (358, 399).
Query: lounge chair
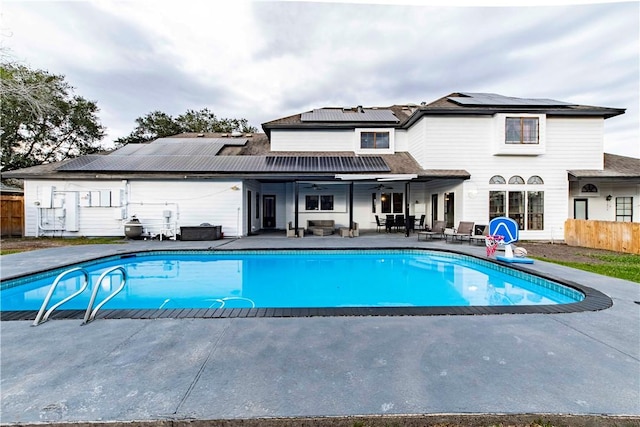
(463, 232)
(379, 223)
(480, 233)
(436, 231)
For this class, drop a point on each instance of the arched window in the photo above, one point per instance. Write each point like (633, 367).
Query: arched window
(516, 179)
(589, 188)
(535, 179)
(497, 179)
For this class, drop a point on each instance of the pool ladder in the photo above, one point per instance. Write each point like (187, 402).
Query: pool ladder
(90, 312)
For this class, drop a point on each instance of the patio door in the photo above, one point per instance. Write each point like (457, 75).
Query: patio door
(580, 209)
(434, 209)
(268, 211)
(449, 213)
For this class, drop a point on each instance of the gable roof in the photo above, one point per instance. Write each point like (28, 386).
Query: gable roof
(344, 118)
(457, 103)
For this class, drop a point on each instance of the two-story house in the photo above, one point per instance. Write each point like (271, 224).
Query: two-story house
(466, 156)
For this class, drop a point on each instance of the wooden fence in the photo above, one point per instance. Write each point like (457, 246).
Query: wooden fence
(613, 236)
(12, 215)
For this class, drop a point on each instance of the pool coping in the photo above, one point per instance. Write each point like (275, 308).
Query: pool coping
(594, 300)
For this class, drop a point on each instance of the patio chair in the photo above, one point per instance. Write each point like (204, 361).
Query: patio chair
(463, 232)
(379, 223)
(389, 223)
(436, 231)
(420, 224)
(399, 222)
(480, 233)
(291, 231)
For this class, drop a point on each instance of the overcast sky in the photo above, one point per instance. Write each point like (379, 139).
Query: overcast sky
(266, 60)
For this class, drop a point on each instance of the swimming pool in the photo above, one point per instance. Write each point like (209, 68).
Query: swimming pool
(313, 282)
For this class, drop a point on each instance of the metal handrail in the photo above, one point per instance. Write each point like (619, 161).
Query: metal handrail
(90, 314)
(40, 318)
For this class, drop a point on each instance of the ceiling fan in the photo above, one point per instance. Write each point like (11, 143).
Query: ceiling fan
(315, 187)
(381, 187)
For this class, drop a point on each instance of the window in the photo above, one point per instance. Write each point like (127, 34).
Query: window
(535, 180)
(589, 188)
(374, 140)
(326, 203)
(516, 207)
(257, 205)
(322, 203)
(535, 210)
(398, 205)
(525, 207)
(521, 130)
(624, 209)
(392, 203)
(496, 204)
(311, 203)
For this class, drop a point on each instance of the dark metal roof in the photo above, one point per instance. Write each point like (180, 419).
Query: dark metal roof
(225, 164)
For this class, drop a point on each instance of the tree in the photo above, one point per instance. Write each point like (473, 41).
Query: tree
(159, 125)
(41, 120)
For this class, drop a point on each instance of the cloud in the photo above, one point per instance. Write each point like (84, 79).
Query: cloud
(264, 60)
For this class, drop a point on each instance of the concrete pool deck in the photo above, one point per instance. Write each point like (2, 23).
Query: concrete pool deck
(179, 370)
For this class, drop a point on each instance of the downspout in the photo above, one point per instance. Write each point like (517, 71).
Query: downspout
(406, 209)
(351, 205)
(295, 207)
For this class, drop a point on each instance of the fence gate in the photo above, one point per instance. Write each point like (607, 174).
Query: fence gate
(12, 215)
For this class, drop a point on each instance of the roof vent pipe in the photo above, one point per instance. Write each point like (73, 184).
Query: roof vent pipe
(359, 109)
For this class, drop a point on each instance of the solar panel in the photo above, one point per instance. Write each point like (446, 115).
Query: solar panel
(226, 164)
(340, 115)
(492, 99)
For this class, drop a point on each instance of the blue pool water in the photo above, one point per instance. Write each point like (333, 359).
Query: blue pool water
(296, 279)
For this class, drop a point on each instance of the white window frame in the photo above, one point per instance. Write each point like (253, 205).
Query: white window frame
(392, 142)
(501, 148)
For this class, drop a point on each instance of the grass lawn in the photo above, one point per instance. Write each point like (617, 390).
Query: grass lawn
(12, 246)
(621, 266)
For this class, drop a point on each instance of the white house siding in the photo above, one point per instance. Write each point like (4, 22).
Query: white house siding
(312, 140)
(48, 201)
(598, 206)
(191, 202)
(401, 141)
(416, 141)
(468, 143)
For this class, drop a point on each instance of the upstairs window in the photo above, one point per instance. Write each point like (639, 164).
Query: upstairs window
(521, 130)
(516, 179)
(374, 140)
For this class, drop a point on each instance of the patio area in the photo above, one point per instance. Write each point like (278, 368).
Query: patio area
(281, 371)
